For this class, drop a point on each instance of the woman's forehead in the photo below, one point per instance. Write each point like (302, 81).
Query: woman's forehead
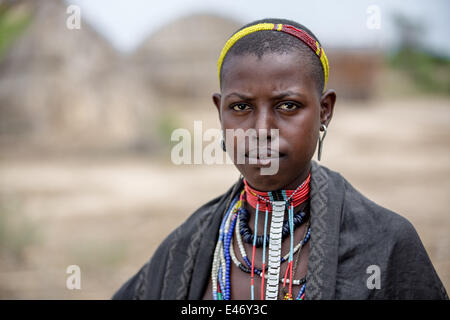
(273, 72)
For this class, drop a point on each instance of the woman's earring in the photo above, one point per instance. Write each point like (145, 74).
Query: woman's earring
(324, 129)
(222, 143)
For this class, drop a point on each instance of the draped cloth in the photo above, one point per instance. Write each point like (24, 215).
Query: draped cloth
(350, 236)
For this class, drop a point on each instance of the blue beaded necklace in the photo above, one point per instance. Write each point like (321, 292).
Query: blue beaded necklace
(224, 253)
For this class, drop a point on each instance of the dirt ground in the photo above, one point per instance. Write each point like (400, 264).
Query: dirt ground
(107, 215)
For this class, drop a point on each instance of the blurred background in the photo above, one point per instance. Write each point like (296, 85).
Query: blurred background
(86, 116)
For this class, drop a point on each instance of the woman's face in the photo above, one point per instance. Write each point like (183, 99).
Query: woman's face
(276, 91)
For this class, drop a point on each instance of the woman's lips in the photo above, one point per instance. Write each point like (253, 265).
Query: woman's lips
(263, 157)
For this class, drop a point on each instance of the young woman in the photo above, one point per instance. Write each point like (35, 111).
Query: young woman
(302, 232)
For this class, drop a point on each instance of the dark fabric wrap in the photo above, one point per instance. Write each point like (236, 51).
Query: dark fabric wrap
(349, 233)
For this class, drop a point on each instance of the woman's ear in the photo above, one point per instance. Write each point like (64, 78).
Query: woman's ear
(216, 99)
(327, 101)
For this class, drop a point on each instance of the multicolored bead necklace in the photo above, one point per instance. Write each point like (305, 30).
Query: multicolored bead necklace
(297, 196)
(247, 233)
(224, 254)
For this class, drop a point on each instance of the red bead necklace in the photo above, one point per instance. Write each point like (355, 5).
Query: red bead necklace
(296, 197)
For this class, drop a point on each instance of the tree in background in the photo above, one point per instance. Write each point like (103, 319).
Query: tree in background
(429, 71)
(15, 16)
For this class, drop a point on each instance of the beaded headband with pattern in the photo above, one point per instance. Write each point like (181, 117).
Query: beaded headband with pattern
(299, 34)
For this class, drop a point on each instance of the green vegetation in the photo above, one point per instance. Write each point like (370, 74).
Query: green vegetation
(429, 73)
(93, 253)
(166, 123)
(17, 231)
(14, 19)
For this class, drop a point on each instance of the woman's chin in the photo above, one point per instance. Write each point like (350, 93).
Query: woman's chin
(260, 181)
(285, 175)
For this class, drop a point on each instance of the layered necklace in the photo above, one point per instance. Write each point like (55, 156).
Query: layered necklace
(236, 221)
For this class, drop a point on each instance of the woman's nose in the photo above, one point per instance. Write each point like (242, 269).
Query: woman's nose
(264, 119)
(264, 124)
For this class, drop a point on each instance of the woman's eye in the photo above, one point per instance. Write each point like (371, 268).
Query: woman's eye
(240, 107)
(288, 106)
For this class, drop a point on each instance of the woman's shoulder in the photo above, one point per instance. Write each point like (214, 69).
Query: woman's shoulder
(213, 208)
(370, 234)
(360, 211)
(175, 256)
(197, 223)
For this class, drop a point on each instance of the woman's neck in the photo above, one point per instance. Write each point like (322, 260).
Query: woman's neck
(261, 200)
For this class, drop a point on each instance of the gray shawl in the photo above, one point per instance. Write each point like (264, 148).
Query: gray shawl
(353, 241)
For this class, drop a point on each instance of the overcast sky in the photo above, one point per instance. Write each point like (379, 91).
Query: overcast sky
(126, 23)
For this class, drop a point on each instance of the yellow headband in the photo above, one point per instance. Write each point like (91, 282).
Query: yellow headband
(299, 34)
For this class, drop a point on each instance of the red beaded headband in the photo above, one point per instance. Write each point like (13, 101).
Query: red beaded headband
(299, 34)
